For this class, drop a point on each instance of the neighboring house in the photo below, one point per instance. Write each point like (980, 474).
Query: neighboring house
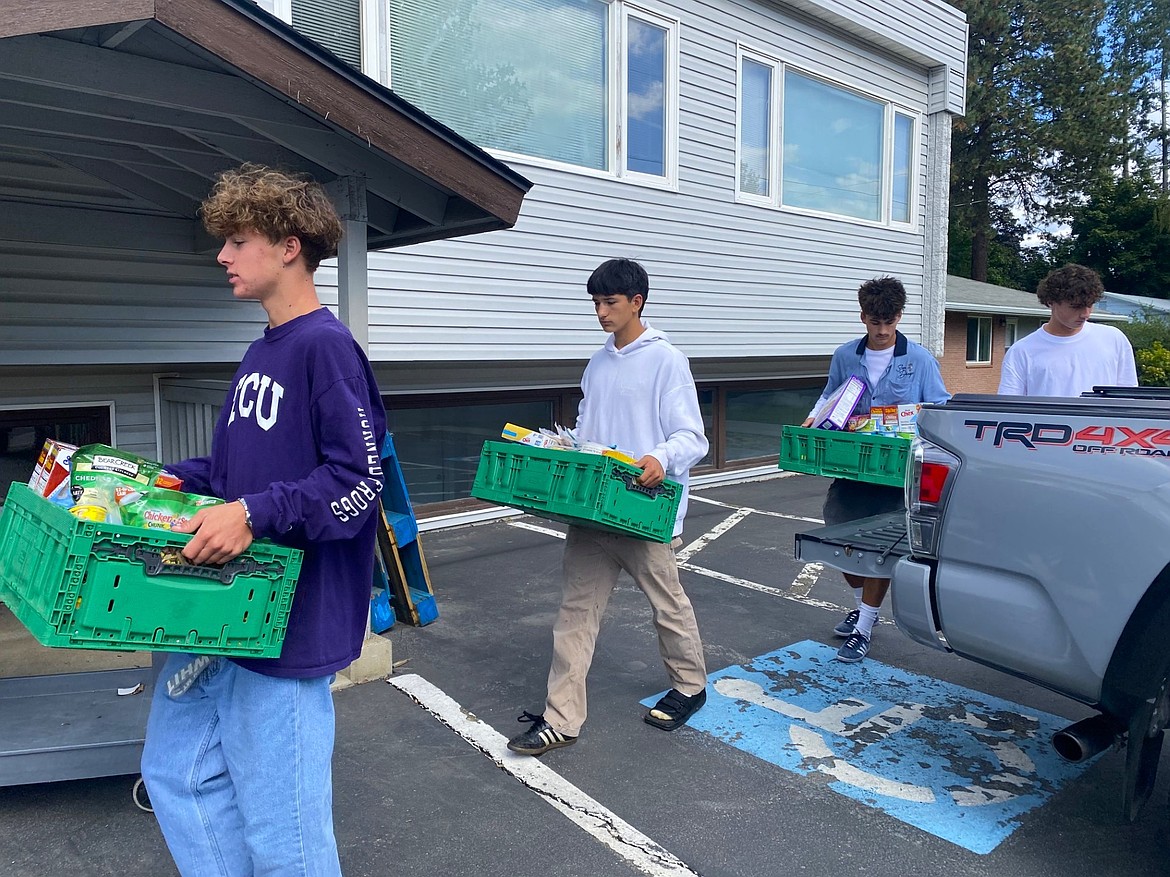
(762, 158)
(1132, 305)
(983, 321)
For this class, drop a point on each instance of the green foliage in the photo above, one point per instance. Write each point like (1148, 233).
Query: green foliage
(1149, 333)
(1123, 233)
(1153, 366)
(1042, 117)
(1064, 100)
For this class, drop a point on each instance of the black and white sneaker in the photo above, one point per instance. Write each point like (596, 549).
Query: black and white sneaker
(538, 739)
(854, 649)
(847, 625)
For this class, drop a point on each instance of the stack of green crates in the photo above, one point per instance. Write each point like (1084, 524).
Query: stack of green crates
(588, 490)
(857, 456)
(81, 584)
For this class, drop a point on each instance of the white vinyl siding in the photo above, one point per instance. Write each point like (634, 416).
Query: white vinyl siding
(729, 280)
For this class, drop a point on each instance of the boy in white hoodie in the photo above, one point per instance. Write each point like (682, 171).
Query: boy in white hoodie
(639, 396)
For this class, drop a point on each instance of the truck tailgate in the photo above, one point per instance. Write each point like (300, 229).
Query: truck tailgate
(865, 547)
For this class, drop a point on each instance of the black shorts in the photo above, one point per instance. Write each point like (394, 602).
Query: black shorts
(849, 500)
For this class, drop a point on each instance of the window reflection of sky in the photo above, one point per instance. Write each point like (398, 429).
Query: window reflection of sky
(557, 49)
(646, 97)
(832, 149)
(531, 76)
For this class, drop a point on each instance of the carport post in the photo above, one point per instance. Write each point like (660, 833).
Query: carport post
(353, 307)
(353, 296)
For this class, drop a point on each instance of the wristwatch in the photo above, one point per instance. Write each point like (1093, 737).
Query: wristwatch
(247, 512)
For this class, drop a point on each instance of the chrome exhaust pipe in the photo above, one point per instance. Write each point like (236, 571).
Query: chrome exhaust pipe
(1084, 739)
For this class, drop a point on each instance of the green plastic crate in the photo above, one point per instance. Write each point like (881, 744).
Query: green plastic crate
(588, 490)
(80, 584)
(858, 456)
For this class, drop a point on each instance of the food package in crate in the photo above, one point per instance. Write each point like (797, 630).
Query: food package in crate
(560, 438)
(118, 487)
(50, 478)
(839, 407)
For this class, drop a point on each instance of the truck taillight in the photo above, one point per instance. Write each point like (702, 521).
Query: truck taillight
(932, 481)
(927, 485)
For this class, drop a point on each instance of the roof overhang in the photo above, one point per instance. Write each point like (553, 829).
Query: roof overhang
(954, 307)
(128, 109)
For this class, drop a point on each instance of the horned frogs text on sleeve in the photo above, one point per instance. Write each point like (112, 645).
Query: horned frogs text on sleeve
(299, 440)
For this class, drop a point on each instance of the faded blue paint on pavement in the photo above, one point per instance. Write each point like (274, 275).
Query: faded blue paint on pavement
(960, 764)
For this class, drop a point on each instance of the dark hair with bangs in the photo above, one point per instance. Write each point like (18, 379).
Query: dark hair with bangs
(620, 277)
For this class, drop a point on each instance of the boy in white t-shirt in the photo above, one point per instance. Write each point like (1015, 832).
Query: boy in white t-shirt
(1068, 355)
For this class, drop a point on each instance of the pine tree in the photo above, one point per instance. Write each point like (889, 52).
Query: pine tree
(1043, 119)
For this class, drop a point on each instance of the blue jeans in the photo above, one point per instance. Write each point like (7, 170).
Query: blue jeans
(239, 772)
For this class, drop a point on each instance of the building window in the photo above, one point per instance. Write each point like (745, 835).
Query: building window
(835, 151)
(439, 439)
(978, 340)
(282, 9)
(755, 123)
(335, 24)
(23, 432)
(598, 90)
(1011, 332)
(743, 424)
(903, 166)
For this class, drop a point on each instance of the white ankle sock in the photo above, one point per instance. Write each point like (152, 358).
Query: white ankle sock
(866, 621)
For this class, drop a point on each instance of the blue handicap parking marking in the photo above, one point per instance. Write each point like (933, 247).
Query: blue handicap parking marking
(960, 764)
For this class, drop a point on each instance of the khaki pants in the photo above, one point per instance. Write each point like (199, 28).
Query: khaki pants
(592, 562)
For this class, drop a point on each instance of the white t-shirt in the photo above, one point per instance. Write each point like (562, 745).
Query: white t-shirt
(876, 363)
(1042, 364)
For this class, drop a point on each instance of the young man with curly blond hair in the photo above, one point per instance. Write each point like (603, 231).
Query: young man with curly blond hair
(238, 751)
(1068, 355)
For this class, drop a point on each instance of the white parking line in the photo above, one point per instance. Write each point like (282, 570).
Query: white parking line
(617, 834)
(797, 592)
(696, 498)
(547, 531)
(684, 554)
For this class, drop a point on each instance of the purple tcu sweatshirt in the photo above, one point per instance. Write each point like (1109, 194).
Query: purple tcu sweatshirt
(299, 440)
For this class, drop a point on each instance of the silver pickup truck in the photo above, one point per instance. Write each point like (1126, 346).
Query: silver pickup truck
(1037, 541)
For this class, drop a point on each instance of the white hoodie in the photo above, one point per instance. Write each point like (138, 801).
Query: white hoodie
(642, 399)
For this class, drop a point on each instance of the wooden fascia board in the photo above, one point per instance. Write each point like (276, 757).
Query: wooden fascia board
(20, 17)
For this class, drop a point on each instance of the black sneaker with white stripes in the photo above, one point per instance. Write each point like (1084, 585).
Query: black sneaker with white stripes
(538, 739)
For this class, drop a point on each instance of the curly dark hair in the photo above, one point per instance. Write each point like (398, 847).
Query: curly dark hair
(1073, 285)
(276, 205)
(882, 298)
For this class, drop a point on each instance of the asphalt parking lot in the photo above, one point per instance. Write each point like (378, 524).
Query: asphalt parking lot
(912, 762)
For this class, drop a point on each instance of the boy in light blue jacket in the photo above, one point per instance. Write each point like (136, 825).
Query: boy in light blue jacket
(896, 371)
